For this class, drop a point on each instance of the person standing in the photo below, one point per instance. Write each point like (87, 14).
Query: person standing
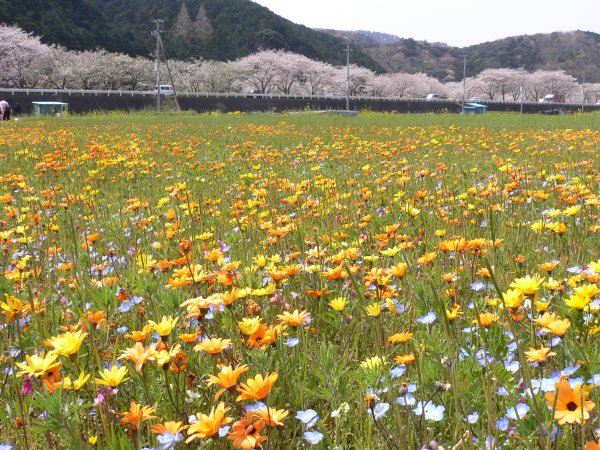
(5, 109)
(17, 110)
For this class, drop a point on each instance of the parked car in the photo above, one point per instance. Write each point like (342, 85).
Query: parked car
(475, 99)
(433, 97)
(254, 93)
(551, 98)
(166, 90)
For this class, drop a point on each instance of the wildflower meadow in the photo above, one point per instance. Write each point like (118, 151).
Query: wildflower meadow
(215, 281)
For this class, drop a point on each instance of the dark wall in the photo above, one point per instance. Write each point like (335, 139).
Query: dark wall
(79, 104)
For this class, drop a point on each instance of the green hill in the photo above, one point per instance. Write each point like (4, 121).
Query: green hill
(569, 51)
(212, 29)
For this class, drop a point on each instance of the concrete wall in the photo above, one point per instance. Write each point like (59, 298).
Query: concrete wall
(79, 104)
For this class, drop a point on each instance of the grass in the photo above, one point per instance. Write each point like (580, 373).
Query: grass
(392, 270)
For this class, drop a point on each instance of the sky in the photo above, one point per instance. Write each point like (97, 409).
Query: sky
(456, 22)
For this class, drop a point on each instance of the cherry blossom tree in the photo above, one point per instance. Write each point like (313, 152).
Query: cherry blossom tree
(557, 82)
(23, 57)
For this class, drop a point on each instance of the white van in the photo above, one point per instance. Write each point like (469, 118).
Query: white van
(166, 90)
(433, 97)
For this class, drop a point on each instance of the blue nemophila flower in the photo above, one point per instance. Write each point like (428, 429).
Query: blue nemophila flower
(6, 446)
(478, 286)
(398, 371)
(168, 441)
(407, 400)
(502, 424)
(313, 437)
(428, 318)
(517, 412)
(430, 411)
(502, 391)
(308, 417)
(257, 405)
(473, 417)
(224, 430)
(512, 366)
(292, 342)
(380, 410)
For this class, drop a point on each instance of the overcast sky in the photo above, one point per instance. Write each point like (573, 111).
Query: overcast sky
(455, 22)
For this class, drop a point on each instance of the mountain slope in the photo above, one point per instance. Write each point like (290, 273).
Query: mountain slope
(213, 29)
(573, 52)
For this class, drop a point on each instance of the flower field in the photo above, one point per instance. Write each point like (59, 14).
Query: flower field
(289, 282)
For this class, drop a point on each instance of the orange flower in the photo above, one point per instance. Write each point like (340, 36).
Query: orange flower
(427, 258)
(400, 338)
(207, 426)
(486, 319)
(213, 346)
(227, 378)
(245, 433)
(399, 270)
(168, 427)
(404, 359)
(570, 404)
(136, 415)
(549, 266)
(272, 417)
(138, 354)
(257, 388)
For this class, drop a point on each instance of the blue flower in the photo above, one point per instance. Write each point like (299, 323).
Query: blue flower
(224, 430)
(502, 424)
(428, 318)
(308, 417)
(6, 446)
(168, 441)
(313, 437)
(380, 410)
(398, 371)
(292, 342)
(407, 400)
(517, 412)
(473, 417)
(430, 411)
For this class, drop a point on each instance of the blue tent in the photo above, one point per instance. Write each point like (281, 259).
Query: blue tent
(474, 108)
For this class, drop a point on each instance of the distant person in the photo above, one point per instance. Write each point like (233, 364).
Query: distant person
(5, 110)
(17, 110)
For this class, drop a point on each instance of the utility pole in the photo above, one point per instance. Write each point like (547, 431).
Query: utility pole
(583, 92)
(522, 89)
(347, 76)
(464, 83)
(156, 33)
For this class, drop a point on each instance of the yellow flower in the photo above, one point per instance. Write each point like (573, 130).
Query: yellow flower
(513, 298)
(38, 365)
(578, 301)
(376, 362)
(68, 343)
(294, 319)
(338, 303)
(539, 355)
(113, 376)
(552, 284)
(11, 308)
(528, 285)
(374, 309)
(78, 383)
(249, 325)
(227, 378)
(572, 210)
(165, 326)
(208, 425)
